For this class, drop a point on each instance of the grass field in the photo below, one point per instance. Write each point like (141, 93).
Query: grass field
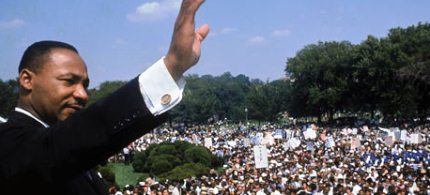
(124, 174)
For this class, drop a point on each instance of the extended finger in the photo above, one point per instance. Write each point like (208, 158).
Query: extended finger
(202, 32)
(184, 25)
(190, 6)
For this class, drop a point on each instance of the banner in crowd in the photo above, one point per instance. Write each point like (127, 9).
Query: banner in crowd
(246, 142)
(260, 157)
(346, 131)
(310, 134)
(388, 140)
(220, 153)
(208, 142)
(384, 130)
(329, 142)
(292, 143)
(196, 139)
(403, 135)
(232, 143)
(310, 145)
(289, 134)
(279, 134)
(268, 139)
(397, 135)
(355, 142)
(416, 138)
(255, 140)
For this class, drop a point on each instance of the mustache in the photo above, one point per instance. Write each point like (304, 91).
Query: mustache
(78, 105)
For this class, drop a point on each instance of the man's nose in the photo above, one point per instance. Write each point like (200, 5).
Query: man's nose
(80, 93)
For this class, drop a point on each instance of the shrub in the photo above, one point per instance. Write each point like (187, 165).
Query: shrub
(107, 174)
(138, 163)
(185, 171)
(199, 154)
(160, 167)
(175, 160)
(167, 149)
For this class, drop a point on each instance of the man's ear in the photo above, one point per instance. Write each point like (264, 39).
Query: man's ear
(26, 79)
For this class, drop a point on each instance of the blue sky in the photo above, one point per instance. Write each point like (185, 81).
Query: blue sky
(119, 39)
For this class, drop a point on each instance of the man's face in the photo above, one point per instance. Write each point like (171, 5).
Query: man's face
(59, 88)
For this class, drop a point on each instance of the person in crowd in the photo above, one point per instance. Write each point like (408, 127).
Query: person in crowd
(371, 166)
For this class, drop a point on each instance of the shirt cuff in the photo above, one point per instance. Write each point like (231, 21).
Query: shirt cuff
(159, 90)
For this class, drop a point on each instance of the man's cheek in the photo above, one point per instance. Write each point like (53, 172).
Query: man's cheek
(63, 116)
(65, 113)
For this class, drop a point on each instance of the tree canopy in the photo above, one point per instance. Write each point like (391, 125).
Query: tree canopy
(8, 96)
(388, 76)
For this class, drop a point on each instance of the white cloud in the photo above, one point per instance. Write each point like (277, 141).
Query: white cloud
(212, 34)
(228, 30)
(257, 40)
(281, 33)
(15, 23)
(120, 42)
(224, 31)
(154, 10)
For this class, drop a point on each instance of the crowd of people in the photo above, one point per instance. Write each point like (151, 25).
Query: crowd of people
(301, 159)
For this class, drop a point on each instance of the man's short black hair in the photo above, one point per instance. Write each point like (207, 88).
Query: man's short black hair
(37, 54)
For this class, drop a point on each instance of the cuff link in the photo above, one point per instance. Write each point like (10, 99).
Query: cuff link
(166, 99)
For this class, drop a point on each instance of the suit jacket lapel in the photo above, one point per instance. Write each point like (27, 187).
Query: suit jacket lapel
(20, 119)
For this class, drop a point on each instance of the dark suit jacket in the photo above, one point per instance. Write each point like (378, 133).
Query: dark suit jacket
(55, 160)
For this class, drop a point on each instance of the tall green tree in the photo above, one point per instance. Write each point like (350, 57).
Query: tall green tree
(266, 101)
(320, 73)
(390, 75)
(199, 101)
(368, 76)
(408, 52)
(8, 96)
(104, 90)
(230, 91)
(209, 98)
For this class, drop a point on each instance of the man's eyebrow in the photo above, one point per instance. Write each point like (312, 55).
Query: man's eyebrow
(75, 77)
(69, 75)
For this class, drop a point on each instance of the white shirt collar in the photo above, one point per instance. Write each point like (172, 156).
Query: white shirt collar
(17, 109)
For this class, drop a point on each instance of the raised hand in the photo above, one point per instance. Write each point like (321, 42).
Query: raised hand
(185, 47)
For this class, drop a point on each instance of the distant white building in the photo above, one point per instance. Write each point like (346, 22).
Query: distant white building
(2, 120)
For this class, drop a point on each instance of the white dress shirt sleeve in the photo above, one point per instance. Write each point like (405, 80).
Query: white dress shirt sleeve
(159, 90)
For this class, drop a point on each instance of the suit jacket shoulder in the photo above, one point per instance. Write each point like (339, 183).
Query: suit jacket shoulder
(31, 153)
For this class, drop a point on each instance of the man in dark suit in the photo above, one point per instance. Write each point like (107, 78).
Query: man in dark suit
(50, 143)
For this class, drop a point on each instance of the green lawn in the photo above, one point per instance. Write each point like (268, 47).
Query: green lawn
(124, 174)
